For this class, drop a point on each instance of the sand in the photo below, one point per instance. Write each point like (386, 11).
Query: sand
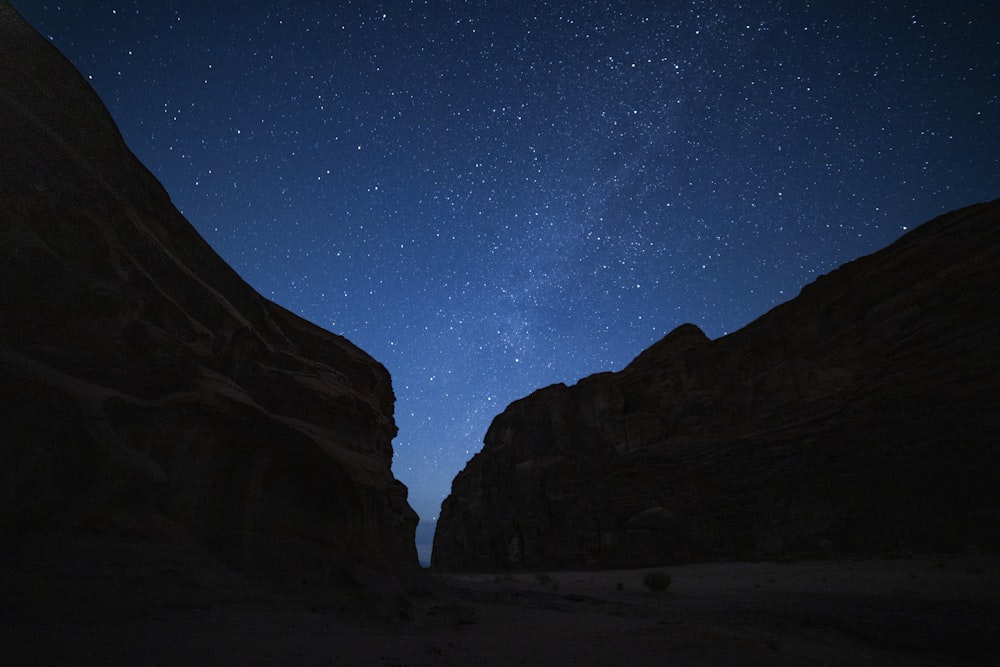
(72, 603)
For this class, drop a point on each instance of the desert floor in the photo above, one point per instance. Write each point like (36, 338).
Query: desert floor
(69, 603)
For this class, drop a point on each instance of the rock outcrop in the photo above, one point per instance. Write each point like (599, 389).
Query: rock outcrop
(862, 417)
(144, 386)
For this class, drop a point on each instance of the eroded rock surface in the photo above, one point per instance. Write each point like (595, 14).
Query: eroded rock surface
(862, 417)
(144, 386)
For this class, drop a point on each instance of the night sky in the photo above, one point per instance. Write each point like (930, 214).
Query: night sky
(490, 197)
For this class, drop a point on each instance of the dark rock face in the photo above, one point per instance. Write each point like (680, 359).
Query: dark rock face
(143, 382)
(861, 417)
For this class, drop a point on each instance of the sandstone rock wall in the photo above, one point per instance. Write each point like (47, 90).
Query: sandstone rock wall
(142, 380)
(861, 417)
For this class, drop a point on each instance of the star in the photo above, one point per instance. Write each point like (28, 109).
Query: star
(490, 200)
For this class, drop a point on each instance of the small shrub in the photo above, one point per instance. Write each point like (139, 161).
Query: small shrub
(543, 578)
(620, 585)
(656, 581)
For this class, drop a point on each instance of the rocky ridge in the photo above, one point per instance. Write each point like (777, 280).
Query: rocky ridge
(145, 389)
(859, 418)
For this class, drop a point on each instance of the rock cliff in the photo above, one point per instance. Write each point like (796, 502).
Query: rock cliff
(145, 388)
(862, 417)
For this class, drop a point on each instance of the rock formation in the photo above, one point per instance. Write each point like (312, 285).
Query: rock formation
(144, 386)
(862, 417)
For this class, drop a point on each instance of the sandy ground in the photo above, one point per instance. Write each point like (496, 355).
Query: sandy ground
(86, 603)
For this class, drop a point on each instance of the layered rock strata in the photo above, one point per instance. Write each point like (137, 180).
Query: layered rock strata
(143, 383)
(862, 417)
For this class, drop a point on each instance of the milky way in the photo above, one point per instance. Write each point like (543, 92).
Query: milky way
(493, 197)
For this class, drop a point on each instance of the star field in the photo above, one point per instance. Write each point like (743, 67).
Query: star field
(493, 197)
